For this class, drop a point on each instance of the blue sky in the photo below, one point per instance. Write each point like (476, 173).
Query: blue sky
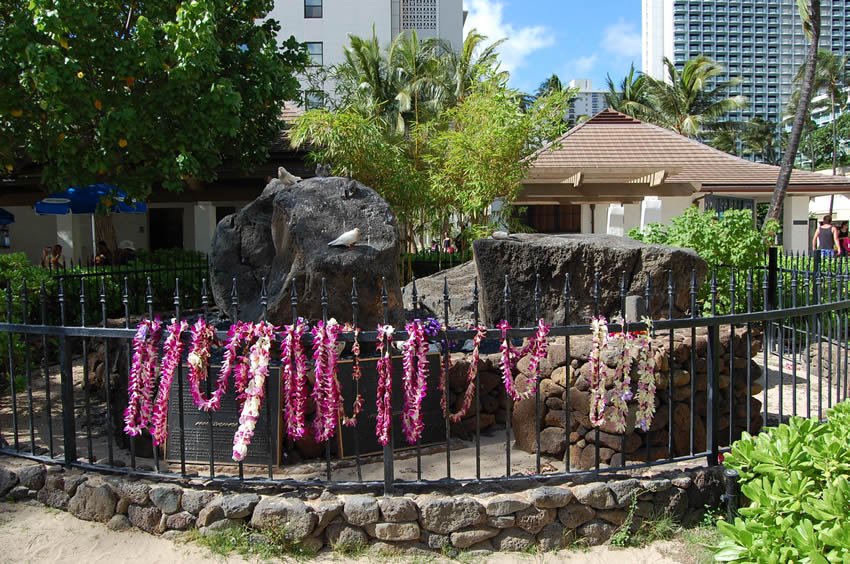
(571, 38)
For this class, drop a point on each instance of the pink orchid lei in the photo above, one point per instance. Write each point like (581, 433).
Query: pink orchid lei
(385, 382)
(203, 338)
(257, 371)
(598, 370)
(326, 393)
(622, 390)
(480, 335)
(172, 351)
(537, 346)
(141, 380)
(646, 378)
(356, 373)
(414, 380)
(294, 375)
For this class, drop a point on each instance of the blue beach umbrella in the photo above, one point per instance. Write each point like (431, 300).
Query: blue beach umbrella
(6, 217)
(86, 200)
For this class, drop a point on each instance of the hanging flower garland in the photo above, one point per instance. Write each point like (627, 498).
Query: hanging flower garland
(469, 393)
(646, 378)
(172, 351)
(294, 376)
(598, 370)
(203, 338)
(238, 337)
(356, 373)
(621, 393)
(141, 380)
(326, 393)
(537, 346)
(414, 380)
(385, 382)
(257, 372)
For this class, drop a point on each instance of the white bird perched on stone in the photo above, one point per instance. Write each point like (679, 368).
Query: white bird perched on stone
(503, 235)
(286, 177)
(347, 239)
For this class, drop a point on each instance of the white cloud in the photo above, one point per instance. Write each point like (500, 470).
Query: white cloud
(486, 17)
(577, 68)
(622, 39)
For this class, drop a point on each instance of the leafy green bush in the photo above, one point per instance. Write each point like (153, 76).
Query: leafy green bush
(796, 479)
(726, 242)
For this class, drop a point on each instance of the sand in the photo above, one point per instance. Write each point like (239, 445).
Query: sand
(30, 532)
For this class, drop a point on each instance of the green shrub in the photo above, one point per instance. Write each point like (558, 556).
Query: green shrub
(729, 241)
(796, 480)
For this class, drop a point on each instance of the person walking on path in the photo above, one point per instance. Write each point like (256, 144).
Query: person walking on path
(826, 238)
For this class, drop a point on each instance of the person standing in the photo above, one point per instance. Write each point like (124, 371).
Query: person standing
(843, 240)
(826, 238)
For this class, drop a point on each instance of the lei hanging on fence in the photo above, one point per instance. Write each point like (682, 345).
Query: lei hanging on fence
(469, 393)
(253, 393)
(203, 338)
(637, 348)
(537, 346)
(385, 382)
(294, 376)
(172, 351)
(142, 377)
(326, 393)
(415, 380)
(356, 373)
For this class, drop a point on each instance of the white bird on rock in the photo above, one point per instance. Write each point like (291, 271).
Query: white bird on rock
(286, 177)
(347, 239)
(503, 235)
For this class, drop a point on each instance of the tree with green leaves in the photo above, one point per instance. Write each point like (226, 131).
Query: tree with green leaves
(631, 96)
(693, 99)
(830, 79)
(140, 94)
(759, 139)
(810, 18)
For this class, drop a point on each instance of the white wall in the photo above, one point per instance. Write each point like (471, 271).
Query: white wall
(796, 236)
(674, 206)
(631, 219)
(30, 233)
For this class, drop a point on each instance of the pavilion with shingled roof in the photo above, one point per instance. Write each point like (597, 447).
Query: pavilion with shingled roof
(614, 172)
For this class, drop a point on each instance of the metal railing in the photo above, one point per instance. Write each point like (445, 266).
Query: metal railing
(809, 371)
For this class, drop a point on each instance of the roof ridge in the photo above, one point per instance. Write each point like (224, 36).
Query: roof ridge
(546, 146)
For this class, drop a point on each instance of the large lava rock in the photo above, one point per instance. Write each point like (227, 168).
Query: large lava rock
(430, 292)
(582, 256)
(283, 236)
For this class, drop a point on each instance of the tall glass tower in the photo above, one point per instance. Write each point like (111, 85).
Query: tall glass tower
(760, 41)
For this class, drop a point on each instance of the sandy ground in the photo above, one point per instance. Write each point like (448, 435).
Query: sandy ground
(32, 533)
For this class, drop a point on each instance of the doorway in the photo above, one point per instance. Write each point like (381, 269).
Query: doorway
(166, 228)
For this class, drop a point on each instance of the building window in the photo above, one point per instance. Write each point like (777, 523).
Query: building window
(314, 99)
(312, 8)
(316, 50)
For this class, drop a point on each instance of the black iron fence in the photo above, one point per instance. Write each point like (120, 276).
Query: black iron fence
(65, 389)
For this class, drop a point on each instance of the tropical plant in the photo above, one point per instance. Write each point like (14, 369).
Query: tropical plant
(759, 139)
(810, 18)
(797, 480)
(830, 79)
(630, 97)
(692, 100)
(726, 137)
(140, 93)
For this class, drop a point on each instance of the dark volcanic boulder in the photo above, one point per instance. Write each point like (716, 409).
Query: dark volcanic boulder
(552, 256)
(429, 292)
(284, 235)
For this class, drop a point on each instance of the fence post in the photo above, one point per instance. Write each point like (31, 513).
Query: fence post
(69, 431)
(772, 274)
(713, 396)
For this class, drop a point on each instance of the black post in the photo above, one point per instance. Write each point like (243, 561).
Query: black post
(713, 396)
(772, 272)
(69, 430)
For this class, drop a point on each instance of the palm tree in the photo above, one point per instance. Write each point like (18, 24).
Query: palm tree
(810, 16)
(630, 97)
(759, 139)
(693, 99)
(830, 78)
(474, 61)
(551, 84)
(725, 140)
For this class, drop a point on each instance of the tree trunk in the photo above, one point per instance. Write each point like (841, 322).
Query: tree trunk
(104, 229)
(784, 178)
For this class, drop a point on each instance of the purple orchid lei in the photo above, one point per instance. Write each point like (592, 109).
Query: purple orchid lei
(203, 338)
(385, 382)
(172, 351)
(326, 393)
(414, 380)
(254, 392)
(294, 375)
(621, 393)
(238, 336)
(646, 379)
(537, 346)
(598, 370)
(142, 377)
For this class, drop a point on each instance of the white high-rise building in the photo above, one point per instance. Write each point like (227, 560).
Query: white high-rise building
(325, 25)
(762, 42)
(588, 102)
